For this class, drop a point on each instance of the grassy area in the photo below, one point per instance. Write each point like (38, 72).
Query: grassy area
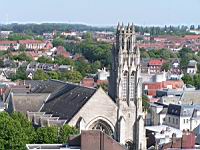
(2, 53)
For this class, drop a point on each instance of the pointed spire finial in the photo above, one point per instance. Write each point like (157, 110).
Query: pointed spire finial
(118, 26)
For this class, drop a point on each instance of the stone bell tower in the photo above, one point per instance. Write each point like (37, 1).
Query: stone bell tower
(126, 89)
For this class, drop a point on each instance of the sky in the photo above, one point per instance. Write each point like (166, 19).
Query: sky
(101, 12)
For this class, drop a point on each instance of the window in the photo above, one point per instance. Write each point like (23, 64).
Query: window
(176, 121)
(124, 84)
(169, 119)
(132, 85)
(173, 121)
(183, 120)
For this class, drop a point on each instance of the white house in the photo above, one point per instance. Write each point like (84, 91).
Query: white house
(192, 67)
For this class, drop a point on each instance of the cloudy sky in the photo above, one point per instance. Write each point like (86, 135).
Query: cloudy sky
(101, 12)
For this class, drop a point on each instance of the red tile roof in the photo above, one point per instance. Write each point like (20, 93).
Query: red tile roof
(30, 42)
(158, 62)
(8, 42)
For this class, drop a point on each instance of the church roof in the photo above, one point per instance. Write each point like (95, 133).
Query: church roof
(24, 102)
(67, 101)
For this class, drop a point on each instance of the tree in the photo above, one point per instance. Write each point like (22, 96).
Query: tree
(47, 135)
(20, 74)
(65, 132)
(54, 75)
(44, 59)
(12, 134)
(166, 67)
(60, 60)
(187, 79)
(145, 102)
(58, 42)
(40, 75)
(72, 76)
(22, 57)
(26, 125)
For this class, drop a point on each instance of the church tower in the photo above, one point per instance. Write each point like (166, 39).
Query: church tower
(125, 88)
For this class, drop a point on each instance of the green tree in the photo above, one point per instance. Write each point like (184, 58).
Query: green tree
(22, 57)
(187, 79)
(12, 134)
(66, 131)
(47, 135)
(26, 125)
(20, 74)
(60, 60)
(166, 67)
(58, 42)
(53, 75)
(44, 59)
(145, 102)
(72, 76)
(40, 75)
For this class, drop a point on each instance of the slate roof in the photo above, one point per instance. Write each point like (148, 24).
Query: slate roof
(182, 110)
(67, 101)
(48, 86)
(28, 102)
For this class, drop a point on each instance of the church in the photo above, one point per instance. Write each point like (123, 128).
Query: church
(118, 113)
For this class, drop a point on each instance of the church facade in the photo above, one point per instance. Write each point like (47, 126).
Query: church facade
(118, 113)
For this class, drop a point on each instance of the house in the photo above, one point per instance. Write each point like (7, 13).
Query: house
(157, 113)
(192, 67)
(5, 45)
(183, 117)
(187, 141)
(88, 82)
(33, 44)
(3, 76)
(65, 68)
(103, 74)
(150, 88)
(33, 54)
(155, 66)
(160, 135)
(175, 69)
(60, 51)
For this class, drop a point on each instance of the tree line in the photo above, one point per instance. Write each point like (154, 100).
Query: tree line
(16, 131)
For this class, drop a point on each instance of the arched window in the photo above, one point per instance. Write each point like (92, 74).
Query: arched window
(102, 126)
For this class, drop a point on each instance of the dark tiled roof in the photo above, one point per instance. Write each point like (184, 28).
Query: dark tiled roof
(67, 101)
(174, 110)
(48, 86)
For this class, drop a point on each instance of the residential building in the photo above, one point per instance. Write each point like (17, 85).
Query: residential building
(5, 45)
(183, 117)
(103, 74)
(33, 44)
(151, 88)
(60, 51)
(192, 67)
(160, 135)
(155, 66)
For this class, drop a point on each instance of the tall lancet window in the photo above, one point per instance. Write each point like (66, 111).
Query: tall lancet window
(132, 85)
(124, 85)
(128, 43)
